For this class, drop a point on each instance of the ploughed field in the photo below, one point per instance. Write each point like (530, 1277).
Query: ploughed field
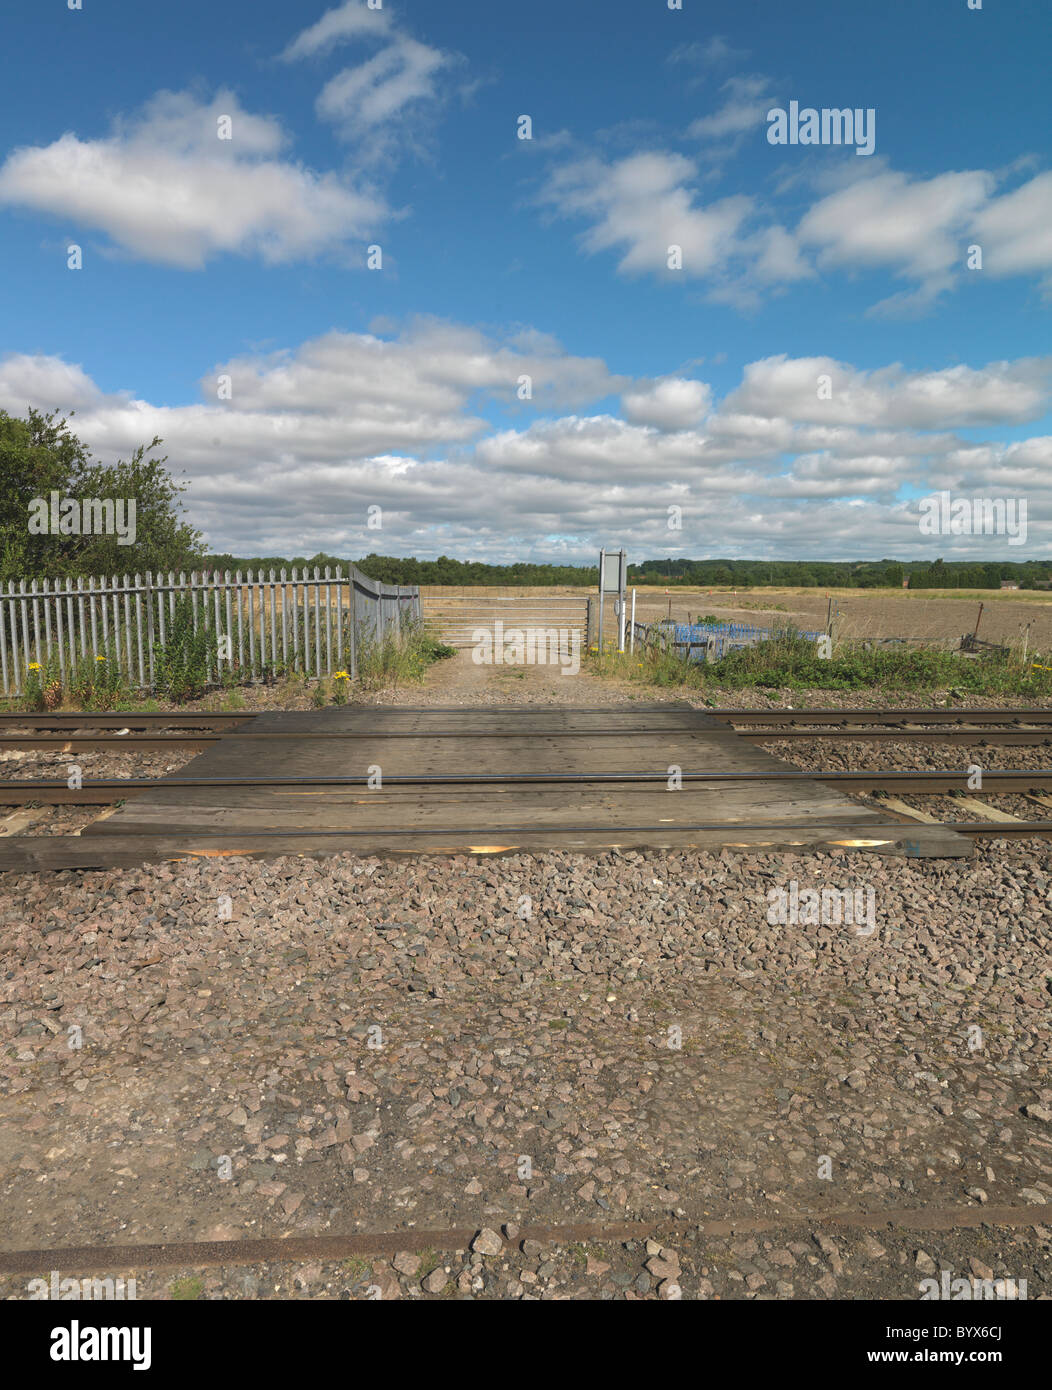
(937, 615)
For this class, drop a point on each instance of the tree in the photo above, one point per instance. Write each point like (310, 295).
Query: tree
(41, 456)
(37, 457)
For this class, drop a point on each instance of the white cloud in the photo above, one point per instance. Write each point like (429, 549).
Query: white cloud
(672, 404)
(1015, 230)
(956, 397)
(372, 103)
(642, 205)
(352, 20)
(165, 188)
(890, 220)
(744, 110)
(711, 53)
(917, 229)
(315, 435)
(48, 383)
(374, 93)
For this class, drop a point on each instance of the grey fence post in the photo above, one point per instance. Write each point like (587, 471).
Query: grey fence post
(151, 632)
(354, 622)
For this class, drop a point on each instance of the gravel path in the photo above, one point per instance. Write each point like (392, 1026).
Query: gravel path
(345, 1044)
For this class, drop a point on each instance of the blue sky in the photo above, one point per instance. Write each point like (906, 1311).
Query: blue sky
(694, 386)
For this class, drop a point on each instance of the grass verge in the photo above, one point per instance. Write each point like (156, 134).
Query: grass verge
(790, 662)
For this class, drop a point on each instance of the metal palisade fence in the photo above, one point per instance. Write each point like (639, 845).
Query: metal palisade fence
(313, 622)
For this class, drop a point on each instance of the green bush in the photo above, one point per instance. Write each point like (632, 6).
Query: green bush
(182, 662)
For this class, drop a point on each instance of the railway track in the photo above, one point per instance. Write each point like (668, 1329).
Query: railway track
(611, 779)
(159, 743)
(149, 719)
(108, 790)
(1004, 728)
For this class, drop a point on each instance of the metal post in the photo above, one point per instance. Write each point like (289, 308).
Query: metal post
(599, 638)
(353, 620)
(632, 630)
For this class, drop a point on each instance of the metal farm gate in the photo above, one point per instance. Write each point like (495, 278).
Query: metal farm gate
(455, 618)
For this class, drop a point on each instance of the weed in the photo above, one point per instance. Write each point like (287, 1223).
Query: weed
(43, 688)
(187, 1290)
(789, 661)
(184, 659)
(356, 1270)
(91, 683)
(398, 658)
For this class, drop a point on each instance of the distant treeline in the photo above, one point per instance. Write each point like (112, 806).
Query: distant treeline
(389, 569)
(869, 574)
(743, 574)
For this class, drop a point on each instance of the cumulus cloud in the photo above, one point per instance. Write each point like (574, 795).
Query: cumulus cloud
(165, 188)
(1001, 393)
(1016, 230)
(48, 383)
(913, 225)
(672, 404)
(917, 229)
(642, 205)
(314, 435)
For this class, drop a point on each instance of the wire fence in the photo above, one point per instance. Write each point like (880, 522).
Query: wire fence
(313, 623)
(707, 641)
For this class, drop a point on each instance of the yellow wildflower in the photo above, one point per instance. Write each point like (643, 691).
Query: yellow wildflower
(34, 665)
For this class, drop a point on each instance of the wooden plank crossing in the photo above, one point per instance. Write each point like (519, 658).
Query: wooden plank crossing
(433, 815)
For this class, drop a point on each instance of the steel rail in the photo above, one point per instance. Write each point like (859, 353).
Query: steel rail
(158, 743)
(105, 790)
(1001, 829)
(189, 719)
(1003, 738)
(298, 1249)
(881, 716)
(136, 719)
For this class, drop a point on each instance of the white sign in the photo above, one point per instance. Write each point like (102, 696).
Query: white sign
(615, 572)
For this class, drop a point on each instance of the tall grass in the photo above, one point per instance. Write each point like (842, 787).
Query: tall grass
(398, 658)
(182, 661)
(790, 662)
(91, 683)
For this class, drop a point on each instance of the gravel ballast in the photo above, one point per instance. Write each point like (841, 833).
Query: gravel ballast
(231, 1048)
